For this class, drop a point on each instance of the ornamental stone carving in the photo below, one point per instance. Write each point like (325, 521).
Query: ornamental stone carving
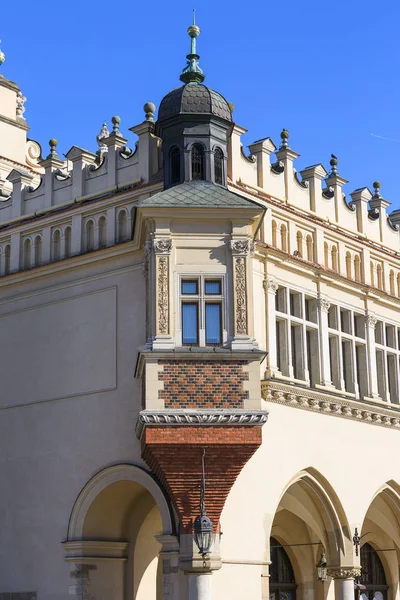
(236, 418)
(323, 304)
(270, 285)
(242, 247)
(272, 391)
(162, 246)
(344, 572)
(162, 299)
(20, 104)
(240, 297)
(370, 320)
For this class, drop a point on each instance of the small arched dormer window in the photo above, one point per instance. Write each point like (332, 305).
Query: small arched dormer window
(197, 162)
(175, 162)
(219, 166)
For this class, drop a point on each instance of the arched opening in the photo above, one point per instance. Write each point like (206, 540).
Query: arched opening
(197, 156)
(121, 225)
(372, 270)
(89, 236)
(283, 238)
(310, 252)
(334, 255)
(380, 553)
(357, 268)
(326, 254)
(175, 165)
(282, 584)
(27, 254)
(398, 284)
(123, 511)
(274, 234)
(102, 232)
(67, 242)
(219, 166)
(391, 282)
(7, 259)
(348, 265)
(38, 251)
(56, 245)
(309, 520)
(299, 239)
(372, 579)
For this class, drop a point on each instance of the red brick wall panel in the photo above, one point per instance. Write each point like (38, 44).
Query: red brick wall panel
(174, 455)
(203, 383)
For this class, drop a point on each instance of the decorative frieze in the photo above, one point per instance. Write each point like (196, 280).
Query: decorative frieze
(344, 572)
(240, 297)
(200, 418)
(162, 296)
(273, 391)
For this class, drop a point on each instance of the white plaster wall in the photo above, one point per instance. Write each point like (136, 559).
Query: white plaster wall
(50, 449)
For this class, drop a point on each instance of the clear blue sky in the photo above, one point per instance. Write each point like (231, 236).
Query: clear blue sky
(327, 71)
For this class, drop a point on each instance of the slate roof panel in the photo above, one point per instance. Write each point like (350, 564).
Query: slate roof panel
(196, 195)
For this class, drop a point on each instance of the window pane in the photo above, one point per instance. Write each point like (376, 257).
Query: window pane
(189, 323)
(213, 323)
(213, 287)
(190, 286)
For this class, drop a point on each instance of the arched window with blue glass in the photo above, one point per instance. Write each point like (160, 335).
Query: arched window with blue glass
(218, 166)
(175, 165)
(197, 155)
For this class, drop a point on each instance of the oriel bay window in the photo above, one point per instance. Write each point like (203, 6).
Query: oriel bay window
(201, 301)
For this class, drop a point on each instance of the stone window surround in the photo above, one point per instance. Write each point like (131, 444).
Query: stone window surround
(202, 276)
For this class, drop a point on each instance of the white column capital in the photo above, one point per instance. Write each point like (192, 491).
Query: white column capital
(323, 304)
(270, 285)
(344, 572)
(370, 320)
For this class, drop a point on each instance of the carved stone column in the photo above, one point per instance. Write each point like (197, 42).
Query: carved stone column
(162, 250)
(370, 322)
(344, 581)
(170, 560)
(242, 339)
(323, 309)
(270, 289)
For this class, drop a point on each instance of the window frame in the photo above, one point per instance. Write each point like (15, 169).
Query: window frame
(202, 299)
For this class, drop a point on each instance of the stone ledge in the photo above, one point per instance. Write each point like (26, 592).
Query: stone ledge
(200, 418)
(330, 404)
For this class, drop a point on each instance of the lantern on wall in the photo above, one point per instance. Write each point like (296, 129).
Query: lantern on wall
(321, 568)
(203, 527)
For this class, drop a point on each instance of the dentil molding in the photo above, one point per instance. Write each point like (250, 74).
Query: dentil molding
(329, 404)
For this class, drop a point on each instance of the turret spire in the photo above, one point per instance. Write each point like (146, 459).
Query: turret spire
(192, 72)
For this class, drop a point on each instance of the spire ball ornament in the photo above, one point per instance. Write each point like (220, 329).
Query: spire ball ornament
(53, 143)
(192, 72)
(284, 138)
(116, 121)
(2, 56)
(334, 163)
(149, 108)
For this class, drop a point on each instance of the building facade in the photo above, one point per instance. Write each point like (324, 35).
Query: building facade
(186, 328)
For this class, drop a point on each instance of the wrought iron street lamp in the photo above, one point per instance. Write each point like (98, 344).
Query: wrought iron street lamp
(203, 526)
(321, 568)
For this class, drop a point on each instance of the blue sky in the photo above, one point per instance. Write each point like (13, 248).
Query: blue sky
(327, 71)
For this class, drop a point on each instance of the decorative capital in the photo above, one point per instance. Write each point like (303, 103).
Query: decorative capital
(270, 285)
(162, 246)
(370, 320)
(323, 304)
(344, 572)
(241, 247)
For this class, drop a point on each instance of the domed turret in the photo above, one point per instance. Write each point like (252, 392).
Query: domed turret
(194, 123)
